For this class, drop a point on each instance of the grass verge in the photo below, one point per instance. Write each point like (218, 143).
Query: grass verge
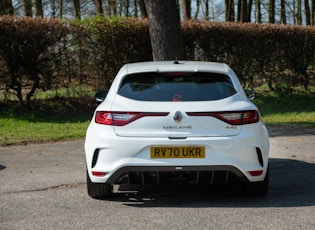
(296, 110)
(57, 119)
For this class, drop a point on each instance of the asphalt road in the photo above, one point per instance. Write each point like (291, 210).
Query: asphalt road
(43, 187)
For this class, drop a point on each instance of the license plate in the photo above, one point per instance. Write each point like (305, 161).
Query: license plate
(177, 152)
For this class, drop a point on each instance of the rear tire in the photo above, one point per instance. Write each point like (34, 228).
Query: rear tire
(258, 188)
(98, 190)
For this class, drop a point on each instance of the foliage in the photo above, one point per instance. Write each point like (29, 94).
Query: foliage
(25, 54)
(282, 56)
(107, 44)
(39, 55)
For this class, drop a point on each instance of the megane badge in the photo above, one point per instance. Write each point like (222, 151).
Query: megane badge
(177, 116)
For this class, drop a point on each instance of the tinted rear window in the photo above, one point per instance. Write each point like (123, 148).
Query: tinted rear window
(176, 87)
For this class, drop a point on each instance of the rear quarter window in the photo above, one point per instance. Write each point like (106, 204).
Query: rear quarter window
(176, 87)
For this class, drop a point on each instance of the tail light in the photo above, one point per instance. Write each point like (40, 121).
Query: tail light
(99, 174)
(256, 173)
(232, 118)
(122, 118)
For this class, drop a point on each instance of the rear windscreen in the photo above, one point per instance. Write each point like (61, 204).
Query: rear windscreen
(176, 87)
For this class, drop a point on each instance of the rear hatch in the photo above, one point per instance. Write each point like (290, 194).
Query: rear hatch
(175, 105)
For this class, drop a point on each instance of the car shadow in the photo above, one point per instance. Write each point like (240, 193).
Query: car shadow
(291, 184)
(2, 167)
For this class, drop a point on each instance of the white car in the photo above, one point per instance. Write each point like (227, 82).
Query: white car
(171, 122)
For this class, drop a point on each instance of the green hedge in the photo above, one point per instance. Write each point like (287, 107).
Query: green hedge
(27, 49)
(282, 56)
(39, 54)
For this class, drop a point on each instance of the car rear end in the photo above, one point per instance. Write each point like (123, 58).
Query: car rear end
(167, 124)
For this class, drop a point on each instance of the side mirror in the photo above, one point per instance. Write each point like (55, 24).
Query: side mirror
(250, 94)
(100, 96)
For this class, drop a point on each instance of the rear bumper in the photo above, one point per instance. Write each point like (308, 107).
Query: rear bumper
(127, 159)
(171, 174)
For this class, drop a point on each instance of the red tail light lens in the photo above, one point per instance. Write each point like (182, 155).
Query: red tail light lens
(99, 174)
(256, 173)
(121, 118)
(238, 118)
(232, 118)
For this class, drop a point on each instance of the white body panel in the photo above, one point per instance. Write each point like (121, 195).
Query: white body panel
(129, 146)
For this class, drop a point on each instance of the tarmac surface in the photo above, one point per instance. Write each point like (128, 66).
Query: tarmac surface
(42, 186)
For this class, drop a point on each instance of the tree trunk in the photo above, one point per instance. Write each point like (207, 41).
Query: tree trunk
(60, 8)
(271, 11)
(229, 10)
(112, 9)
(126, 6)
(186, 9)
(120, 7)
(39, 8)
(197, 8)
(249, 10)
(2, 8)
(239, 10)
(307, 12)
(6, 7)
(207, 10)
(99, 7)
(165, 31)
(35, 86)
(27, 5)
(299, 12)
(313, 13)
(143, 9)
(243, 10)
(77, 9)
(53, 8)
(258, 11)
(135, 10)
(283, 12)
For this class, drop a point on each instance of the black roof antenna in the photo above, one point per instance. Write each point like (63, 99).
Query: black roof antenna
(176, 61)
